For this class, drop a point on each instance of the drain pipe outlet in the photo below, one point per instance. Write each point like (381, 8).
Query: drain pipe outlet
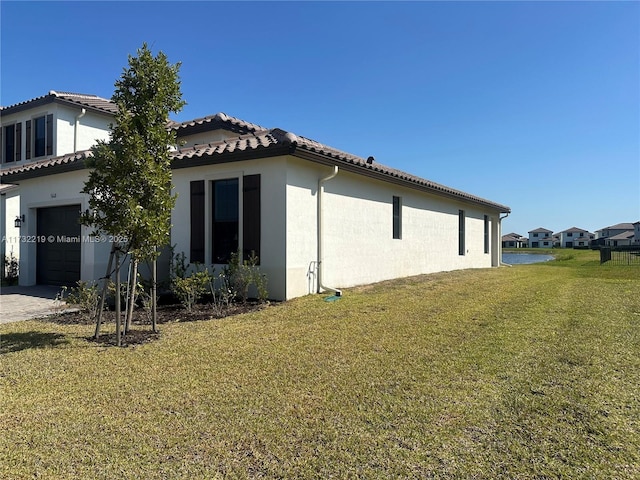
(321, 183)
(500, 236)
(75, 129)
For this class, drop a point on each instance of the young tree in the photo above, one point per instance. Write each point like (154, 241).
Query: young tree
(129, 186)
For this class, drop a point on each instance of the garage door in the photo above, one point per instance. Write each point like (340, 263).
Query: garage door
(58, 251)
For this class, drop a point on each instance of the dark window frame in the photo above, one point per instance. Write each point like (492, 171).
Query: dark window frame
(397, 218)
(461, 232)
(486, 234)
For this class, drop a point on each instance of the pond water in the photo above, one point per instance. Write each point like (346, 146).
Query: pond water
(521, 258)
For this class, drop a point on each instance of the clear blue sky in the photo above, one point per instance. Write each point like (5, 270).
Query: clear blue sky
(533, 105)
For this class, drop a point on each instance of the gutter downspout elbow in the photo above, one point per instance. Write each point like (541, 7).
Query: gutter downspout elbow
(82, 113)
(500, 262)
(321, 183)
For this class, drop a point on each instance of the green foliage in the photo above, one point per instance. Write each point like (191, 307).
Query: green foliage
(130, 181)
(240, 275)
(86, 297)
(10, 269)
(192, 288)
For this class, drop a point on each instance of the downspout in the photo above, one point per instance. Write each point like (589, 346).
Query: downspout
(75, 129)
(321, 183)
(500, 262)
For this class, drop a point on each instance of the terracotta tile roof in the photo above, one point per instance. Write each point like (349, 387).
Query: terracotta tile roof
(83, 100)
(75, 160)
(264, 143)
(277, 137)
(213, 122)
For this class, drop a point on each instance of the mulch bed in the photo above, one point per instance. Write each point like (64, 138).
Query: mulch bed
(140, 332)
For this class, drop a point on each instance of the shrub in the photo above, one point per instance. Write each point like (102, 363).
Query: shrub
(10, 269)
(86, 298)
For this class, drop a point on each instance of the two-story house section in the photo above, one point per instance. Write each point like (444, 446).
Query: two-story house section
(604, 234)
(514, 240)
(575, 237)
(34, 132)
(52, 125)
(636, 233)
(540, 238)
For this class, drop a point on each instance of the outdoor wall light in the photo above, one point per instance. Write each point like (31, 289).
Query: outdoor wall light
(19, 221)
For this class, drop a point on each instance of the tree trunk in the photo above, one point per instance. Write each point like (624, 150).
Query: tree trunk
(118, 319)
(154, 295)
(107, 277)
(131, 300)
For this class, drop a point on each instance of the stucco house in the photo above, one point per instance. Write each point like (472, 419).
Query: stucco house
(319, 219)
(540, 238)
(615, 235)
(575, 237)
(514, 240)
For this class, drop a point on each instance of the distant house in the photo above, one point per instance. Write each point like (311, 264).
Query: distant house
(514, 240)
(622, 239)
(540, 238)
(575, 237)
(612, 235)
(636, 233)
(314, 215)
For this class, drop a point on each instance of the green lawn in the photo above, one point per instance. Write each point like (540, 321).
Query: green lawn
(528, 372)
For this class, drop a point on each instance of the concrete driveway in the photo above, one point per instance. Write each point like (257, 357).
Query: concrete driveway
(24, 303)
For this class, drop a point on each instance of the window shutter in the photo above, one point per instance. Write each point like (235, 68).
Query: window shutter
(28, 140)
(251, 215)
(18, 141)
(196, 253)
(50, 134)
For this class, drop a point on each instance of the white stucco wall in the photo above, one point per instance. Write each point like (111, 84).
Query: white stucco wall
(358, 230)
(205, 137)
(91, 127)
(9, 210)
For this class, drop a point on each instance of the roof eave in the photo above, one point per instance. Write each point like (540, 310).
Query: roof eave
(371, 172)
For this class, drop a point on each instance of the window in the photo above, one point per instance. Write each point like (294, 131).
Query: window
(39, 136)
(228, 222)
(11, 150)
(397, 217)
(225, 219)
(9, 143)
(461, 248)
(486, 234)
(535, 235)
(569, 234)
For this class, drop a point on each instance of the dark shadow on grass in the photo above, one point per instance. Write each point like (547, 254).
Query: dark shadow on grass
(14, 342)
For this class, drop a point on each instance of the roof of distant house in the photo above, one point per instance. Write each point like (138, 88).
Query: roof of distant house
(623, 236)
(574, 230)
(540, 230)
(618, 226)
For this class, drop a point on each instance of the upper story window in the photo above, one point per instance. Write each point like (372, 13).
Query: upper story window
(535, 235)
(12, 143)
(39, 136)
(569, 234)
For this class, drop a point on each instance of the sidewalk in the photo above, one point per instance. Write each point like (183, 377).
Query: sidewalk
(23, 303)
